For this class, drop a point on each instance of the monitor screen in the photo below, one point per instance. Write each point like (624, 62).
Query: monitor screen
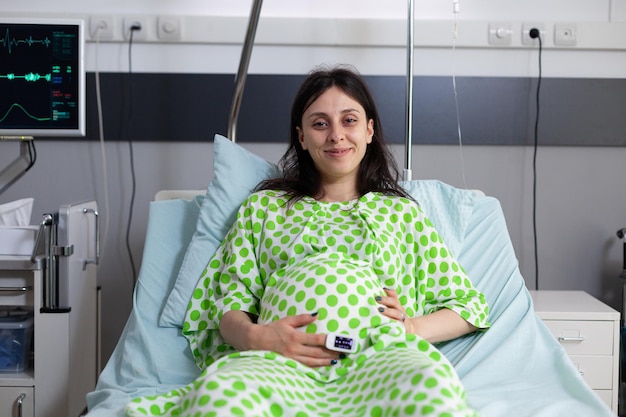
(42, 78)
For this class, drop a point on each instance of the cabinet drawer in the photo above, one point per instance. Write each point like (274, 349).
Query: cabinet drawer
(583, 337)
(597, 371)
(10, 401)
(16, 291)
(606, 396)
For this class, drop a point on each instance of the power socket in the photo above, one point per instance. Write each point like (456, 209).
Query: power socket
(565, 34)
(500, 33)
(168, 28)
(101, 27)
(527, 27)
(138, 34)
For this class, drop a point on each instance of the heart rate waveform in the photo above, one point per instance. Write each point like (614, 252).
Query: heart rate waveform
(11, 43)
(18, 107)
(33, 77)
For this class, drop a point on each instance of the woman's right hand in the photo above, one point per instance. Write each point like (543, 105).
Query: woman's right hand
(281, 336)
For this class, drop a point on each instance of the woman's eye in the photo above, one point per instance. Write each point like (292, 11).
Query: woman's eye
(350, 120)
(320, 124)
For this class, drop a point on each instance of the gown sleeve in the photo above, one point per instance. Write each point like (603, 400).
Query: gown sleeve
(441, 282)
(230, 281)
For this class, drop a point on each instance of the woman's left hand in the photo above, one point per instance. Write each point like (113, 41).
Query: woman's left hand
(391, 307)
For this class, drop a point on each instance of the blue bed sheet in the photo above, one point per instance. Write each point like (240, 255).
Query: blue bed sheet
(516, 368)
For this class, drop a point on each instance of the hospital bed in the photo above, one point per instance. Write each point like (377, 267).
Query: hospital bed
(516, 368)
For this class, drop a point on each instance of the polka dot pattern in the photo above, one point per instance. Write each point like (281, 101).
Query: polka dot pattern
(263, 384)
(282, 259)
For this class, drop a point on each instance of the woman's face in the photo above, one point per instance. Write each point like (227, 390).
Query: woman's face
(335, 131)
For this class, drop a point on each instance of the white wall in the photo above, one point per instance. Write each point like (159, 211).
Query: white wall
(581, 198)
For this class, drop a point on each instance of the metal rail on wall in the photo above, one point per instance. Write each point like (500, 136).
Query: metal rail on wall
(240, 79)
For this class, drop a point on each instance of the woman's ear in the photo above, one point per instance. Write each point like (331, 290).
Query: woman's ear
(300, 137)
(370, 130)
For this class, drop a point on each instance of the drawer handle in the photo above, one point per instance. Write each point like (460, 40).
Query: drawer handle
(15, 290)
(96, 258)
(20, 404)
(571, 339)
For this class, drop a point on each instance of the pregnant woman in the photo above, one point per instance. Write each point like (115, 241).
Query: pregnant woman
(329, 291)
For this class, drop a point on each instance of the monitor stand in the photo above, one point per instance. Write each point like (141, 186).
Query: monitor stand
(21, 164)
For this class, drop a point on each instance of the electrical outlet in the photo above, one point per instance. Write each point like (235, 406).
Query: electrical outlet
(527, 40)
(500, 33)
(168, 28)
(565, 34)
(138, 34)
(101, 27)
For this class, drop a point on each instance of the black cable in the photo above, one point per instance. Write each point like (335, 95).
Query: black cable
(32, 154)
(131, 153)
(534, 33)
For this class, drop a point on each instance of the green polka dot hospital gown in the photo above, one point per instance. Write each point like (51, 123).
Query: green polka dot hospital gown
(333, 258)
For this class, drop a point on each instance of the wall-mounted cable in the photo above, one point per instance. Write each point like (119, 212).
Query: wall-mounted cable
(20, 165)
(105, 174)
(536, 34)
(32, 154)
(133, 28)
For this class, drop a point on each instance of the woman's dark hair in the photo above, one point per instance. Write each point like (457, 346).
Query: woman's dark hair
(377, 171)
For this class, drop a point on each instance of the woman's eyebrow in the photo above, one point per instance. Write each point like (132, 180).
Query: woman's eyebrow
(323, 114)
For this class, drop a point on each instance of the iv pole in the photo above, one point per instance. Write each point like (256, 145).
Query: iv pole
(409, 89)
(240, 80)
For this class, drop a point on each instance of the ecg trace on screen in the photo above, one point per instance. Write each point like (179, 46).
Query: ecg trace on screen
(17, 106)
(31, 76)
(9, 43)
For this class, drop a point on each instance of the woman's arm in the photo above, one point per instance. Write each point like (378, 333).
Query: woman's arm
(439, 326)
(240, 331)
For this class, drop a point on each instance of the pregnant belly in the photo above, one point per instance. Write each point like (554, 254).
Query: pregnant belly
(342, 291)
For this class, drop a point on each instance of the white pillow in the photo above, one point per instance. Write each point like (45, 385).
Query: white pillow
(448, 207)
(237, 171)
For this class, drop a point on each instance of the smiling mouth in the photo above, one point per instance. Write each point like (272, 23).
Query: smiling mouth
(337, 152)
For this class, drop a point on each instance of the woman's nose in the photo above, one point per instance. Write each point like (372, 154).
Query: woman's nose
(336, 134)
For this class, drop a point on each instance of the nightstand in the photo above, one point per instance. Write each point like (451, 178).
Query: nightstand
(589, 330)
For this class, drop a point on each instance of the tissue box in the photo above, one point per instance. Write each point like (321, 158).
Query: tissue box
(16, 213)
(17, 240)
(15, 341)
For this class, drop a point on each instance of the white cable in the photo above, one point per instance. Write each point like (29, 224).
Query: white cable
(105, 175)
(455, 31)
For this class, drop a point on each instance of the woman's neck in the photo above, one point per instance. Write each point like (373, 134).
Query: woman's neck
(339, 192)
